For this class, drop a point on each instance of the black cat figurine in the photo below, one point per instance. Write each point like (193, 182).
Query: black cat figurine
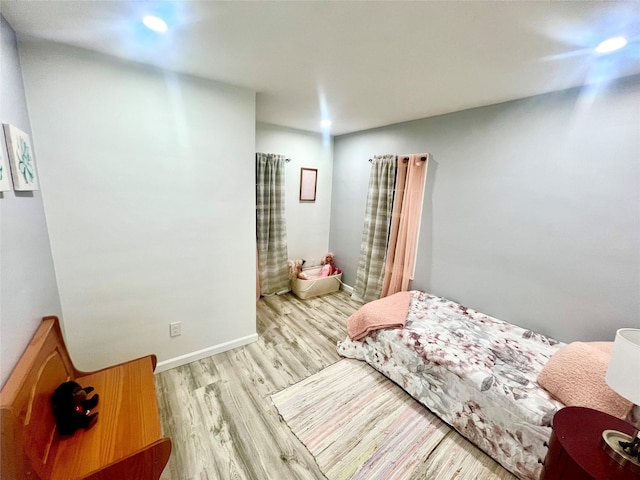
(72, 407)
(632, 448)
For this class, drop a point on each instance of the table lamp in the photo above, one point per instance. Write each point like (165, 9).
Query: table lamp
(623, 376)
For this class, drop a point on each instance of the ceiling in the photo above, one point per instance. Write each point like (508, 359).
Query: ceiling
(363, 64)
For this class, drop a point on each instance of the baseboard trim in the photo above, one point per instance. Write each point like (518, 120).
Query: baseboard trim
(205, 352)
(347, 288)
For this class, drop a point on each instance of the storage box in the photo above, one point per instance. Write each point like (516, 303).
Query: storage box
(315, 285)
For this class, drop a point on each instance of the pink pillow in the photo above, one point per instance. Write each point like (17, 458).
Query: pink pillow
(575, 376)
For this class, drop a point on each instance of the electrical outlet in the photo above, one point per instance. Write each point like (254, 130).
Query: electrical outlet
(175, 329)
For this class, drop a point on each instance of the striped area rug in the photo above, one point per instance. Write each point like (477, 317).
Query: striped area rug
(359, 425)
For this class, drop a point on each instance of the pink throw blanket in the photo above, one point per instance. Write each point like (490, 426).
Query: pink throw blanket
(575, 376)
(387, 312)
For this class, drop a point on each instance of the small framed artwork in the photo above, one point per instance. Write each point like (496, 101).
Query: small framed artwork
(23, 166)
(308, 183)
(5, 182)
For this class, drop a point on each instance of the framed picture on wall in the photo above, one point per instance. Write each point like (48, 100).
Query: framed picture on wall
(23, 166)
(5, 182)
(308, 183)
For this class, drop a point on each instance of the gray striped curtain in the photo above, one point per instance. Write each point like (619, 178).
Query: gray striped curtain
(271, 227)
(377, 222)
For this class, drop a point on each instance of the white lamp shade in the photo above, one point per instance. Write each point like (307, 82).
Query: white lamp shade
(623, 374)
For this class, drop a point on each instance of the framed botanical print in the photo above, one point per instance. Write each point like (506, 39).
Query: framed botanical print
(23, 166)
(5, 181)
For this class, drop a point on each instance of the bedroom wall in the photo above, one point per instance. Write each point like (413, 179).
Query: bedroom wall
(148, 183)
(28, 289)
(307, 222)
(531, 210)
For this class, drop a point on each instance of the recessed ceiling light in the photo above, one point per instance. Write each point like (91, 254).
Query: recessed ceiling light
(611, 45)
(325, 123)
(155, 23)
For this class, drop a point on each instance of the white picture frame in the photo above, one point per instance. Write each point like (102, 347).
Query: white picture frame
(5, 180)
(21, 159)
(308, 184)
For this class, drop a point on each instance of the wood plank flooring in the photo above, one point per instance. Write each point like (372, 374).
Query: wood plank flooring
(218, 411)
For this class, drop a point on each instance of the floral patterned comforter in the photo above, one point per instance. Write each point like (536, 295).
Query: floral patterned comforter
(475, 372)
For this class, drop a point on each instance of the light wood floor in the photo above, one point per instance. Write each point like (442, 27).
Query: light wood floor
(218, 411)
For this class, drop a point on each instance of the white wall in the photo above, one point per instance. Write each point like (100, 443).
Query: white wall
(28, 289)
(148, 182)
(531, 210)
(307, 222)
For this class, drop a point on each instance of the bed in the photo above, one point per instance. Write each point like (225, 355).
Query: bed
(475, 372)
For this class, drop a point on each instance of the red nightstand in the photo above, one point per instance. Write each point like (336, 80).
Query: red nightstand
(575, 448)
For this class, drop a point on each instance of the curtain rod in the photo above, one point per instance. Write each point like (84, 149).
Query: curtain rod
(405, 159)
(287, 160)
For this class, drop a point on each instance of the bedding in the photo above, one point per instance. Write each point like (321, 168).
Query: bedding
(475, 372)
(575, 375)
(387, 312)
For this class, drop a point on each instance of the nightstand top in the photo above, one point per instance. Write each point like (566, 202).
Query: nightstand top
(579, 430)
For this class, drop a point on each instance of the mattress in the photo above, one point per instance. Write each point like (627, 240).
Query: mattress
(315, 285)
(475, 372)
